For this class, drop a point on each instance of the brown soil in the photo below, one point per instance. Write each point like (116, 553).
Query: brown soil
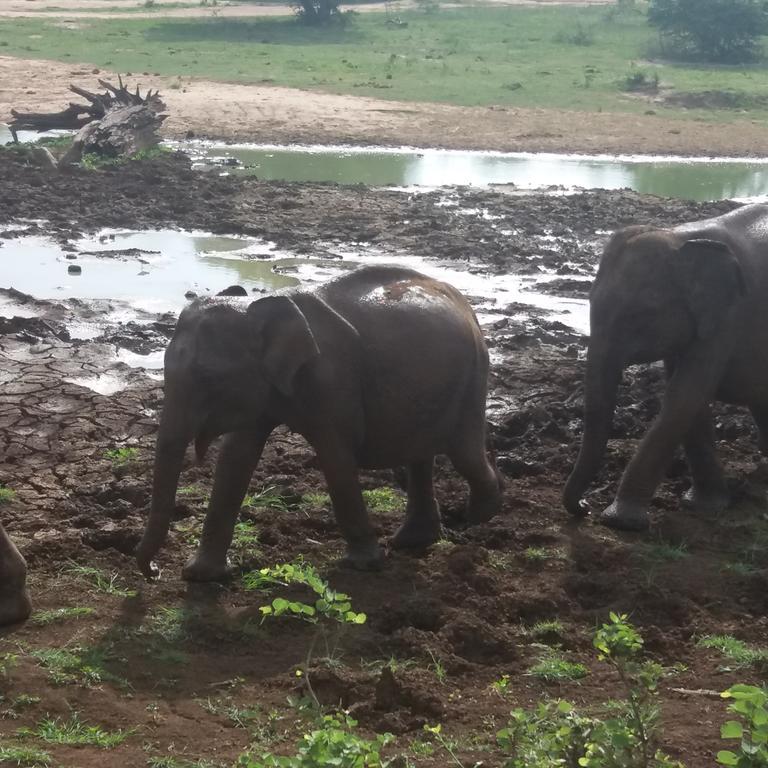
(465, 605)
(266, 113)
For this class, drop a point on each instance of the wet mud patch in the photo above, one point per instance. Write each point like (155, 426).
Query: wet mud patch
(189, 664)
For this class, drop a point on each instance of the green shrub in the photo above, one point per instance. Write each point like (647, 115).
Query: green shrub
(333, 744)
(751, 704)
(713, 30)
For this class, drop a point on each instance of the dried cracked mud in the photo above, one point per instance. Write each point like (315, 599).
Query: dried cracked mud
(178, 665)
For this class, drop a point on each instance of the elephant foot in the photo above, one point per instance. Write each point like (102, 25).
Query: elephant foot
(482, 508)
(575, 506)
(710, 503)
(417, 532)
(364, 557)
(15, 607)
(202, 569)
(625, 516)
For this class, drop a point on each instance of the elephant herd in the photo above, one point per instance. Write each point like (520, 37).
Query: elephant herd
(385, 367)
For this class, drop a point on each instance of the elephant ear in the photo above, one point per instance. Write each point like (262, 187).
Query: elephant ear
(284, 341)
(711, 280)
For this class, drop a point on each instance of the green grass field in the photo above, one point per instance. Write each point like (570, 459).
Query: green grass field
(512, 56)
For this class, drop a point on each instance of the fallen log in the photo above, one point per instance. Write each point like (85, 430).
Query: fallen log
(114, 123)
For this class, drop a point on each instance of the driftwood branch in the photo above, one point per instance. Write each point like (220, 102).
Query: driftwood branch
(114, 123)
(75, 116)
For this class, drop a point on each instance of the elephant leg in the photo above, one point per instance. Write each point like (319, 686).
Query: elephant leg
(341, 474)
(422, 526)
(708, 493)
(239, 455)
(470, 460)
(15, 604)
(760, 416)
(690, 389)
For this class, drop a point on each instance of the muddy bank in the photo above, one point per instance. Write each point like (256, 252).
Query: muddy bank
(494, 231)
(176, 683)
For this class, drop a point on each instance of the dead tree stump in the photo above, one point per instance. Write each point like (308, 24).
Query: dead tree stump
(116, 123)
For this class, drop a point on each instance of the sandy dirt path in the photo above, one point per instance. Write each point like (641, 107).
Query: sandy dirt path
(262, 113)
(106, 9)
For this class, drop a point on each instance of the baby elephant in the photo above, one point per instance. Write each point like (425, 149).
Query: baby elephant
(696, 297)
(379, 368)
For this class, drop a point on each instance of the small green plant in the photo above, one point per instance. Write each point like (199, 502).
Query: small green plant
(393, 664)
(315, 501)
(75, 733)
(538, 555)
(551, 630)
(169, 761)
(553, 667)
(384, 500)
(266, 498)
(740, 568)
(738, 652)
(7, 662)
(55, 615)
(192, 490)
(76, 666)
(240, 717)
(621, 735)
(91, 161)
(637, 80)
(334, 743)
(121, 457)
(436, 731)
(245, 539)
(169, 623)
(437, 667)
(501, 686)
(329, 603)
(619, 643)
(24, 756)
(750, 703)
(7, 495)
(109, 583)
(501, 561)
(662, 551)
(20, 704)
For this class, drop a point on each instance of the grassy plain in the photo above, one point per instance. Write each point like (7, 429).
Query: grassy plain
(557, 57)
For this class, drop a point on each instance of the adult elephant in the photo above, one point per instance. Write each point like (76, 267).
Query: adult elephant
(379, 368)
(15, 605)
(696, 297)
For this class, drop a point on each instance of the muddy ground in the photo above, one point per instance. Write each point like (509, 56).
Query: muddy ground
(190, 670)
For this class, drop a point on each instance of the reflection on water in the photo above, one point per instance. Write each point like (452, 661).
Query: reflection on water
(666, 177)
(171, 264)
(168, 264)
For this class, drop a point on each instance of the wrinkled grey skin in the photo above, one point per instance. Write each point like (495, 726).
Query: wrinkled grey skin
(696, 297)
(379, 368)
(15, 604)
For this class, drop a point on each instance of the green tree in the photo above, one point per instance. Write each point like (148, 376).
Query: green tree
(726, 31)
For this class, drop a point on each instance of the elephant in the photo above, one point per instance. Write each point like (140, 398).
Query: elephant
(15, 605)
(381, 367)
(694, 296)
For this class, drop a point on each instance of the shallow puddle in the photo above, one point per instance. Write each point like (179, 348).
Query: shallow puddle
(157, 271)
(689, 178)
(152, 270)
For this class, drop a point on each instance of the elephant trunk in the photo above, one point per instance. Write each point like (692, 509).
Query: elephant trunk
(171, 446)
(604, 368)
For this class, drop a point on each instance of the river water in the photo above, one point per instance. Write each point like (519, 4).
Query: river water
(691, 178)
